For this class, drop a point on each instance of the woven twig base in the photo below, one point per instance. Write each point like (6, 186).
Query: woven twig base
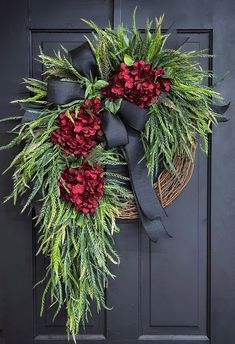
(168, 186)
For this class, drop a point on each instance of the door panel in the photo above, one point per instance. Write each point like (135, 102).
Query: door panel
(60, 14)
(179, 290)
(167, 293)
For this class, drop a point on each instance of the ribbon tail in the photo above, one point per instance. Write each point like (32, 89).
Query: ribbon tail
(220, 109)
(153, 228)
(29, 116)
(114, 129)
(175, 41)
(149, 207)
(31, 111)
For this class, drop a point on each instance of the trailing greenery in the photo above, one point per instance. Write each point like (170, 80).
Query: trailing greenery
(80, 246)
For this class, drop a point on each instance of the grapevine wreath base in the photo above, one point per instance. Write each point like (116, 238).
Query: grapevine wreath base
(109, 132)
(167, 187)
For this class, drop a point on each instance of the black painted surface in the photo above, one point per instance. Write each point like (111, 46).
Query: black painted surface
(179, 290)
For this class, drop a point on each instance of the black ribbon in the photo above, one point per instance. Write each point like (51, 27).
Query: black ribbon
(220, 109)
(174, 41)
(124, 130)
(62, 92)
(121, 129)
(31, 111)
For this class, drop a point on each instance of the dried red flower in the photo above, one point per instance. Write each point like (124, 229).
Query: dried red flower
(78, 134)
(138, 83)
(83, 186)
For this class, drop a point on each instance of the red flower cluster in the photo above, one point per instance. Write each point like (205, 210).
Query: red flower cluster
(83, 186)
(77, 134)
(138, 83)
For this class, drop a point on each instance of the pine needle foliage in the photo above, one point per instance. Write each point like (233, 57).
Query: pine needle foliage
(80, 246)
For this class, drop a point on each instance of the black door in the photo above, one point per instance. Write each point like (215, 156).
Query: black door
(179, 290)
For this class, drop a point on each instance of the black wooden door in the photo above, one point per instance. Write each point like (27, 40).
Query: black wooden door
(179, 290)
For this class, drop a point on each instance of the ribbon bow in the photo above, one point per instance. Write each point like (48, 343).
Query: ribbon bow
(122, 129)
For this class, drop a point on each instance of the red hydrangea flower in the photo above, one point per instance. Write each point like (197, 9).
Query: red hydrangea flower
(78, 134)
(83, 186)
(138, 83)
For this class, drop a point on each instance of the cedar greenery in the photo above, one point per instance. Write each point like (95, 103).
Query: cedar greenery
(79, 246)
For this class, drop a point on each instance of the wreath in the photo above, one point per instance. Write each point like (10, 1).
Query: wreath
(109, 132)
